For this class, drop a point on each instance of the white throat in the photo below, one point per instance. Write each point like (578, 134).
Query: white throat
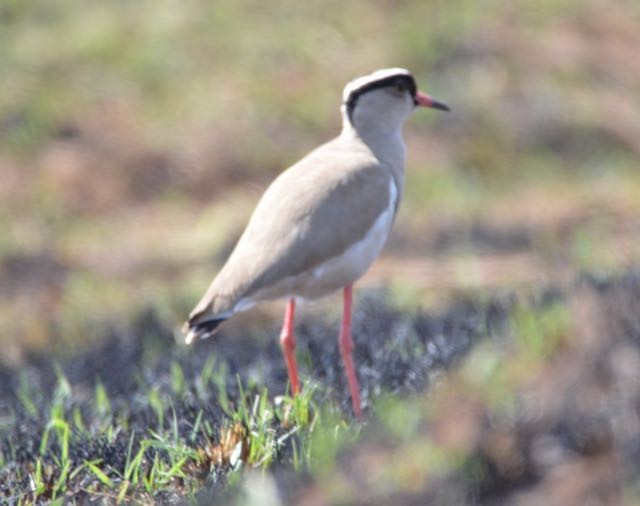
(384, 140)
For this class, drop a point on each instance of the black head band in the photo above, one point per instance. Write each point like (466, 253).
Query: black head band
(405, 79)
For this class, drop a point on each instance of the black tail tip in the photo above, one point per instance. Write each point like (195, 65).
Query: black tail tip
(201, 330)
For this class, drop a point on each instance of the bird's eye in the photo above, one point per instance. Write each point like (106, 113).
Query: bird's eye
(400, 87)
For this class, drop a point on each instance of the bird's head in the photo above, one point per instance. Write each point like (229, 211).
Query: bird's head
(384, 98)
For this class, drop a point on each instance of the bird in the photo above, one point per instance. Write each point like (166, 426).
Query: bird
(322, 222)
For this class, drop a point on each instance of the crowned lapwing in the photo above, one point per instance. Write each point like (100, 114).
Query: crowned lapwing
(320, 225)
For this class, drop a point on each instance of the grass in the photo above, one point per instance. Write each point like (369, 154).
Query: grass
(173, 425)
(177, 423)
(161, 460)
(476, 437)
(162, 457)
(117, 192)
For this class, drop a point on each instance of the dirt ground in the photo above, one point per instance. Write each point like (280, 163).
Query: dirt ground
(571, 437)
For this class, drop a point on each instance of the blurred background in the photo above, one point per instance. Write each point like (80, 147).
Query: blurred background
(135, 137)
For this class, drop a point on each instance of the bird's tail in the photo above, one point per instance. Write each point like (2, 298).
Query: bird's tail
(203, 329)
(207, 316)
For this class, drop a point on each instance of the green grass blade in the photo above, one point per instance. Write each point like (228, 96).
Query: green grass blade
(104, 479)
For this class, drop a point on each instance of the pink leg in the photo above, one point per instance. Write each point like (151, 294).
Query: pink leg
(346, 348)
(288, 344)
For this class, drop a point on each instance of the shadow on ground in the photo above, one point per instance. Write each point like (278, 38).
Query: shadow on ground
(571, 421)
(565, 431)
(395, 352)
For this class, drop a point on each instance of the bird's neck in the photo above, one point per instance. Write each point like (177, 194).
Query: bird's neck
(385, 143)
